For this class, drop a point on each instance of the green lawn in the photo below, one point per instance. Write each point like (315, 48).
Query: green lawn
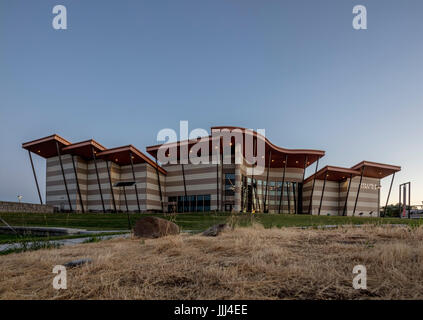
(187, 221)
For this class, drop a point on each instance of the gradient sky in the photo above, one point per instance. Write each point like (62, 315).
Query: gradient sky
(126, 69)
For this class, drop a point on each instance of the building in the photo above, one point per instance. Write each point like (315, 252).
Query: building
(86, 176)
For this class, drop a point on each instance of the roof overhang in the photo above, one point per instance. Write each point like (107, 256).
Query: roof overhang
(299, 158)
(122, 156)
(333, 173)
(46, 147)
(376, 170)
(84, 149)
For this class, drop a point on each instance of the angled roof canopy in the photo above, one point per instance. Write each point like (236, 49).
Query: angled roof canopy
(84, 149)
(376, 170)
(46, 147)
(296, 157)
(121, 156)
(371, 170)
(333, 174)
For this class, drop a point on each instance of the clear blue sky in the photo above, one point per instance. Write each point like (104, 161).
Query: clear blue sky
(126, 69)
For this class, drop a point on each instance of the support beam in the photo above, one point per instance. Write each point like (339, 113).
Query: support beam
(267, 182)
(300, 197)
(77, 185)
(346, 197)
(185, 188)
(389, 194)
(312, 189)
(217, 184)
(289, 197)
(133, 176)
(35, 177)
(63, 174)
(126, 199)
(294, 184)
(98, 178)
(222, 189)
(358, 191)
(160, 187)
(323, 191)
(283, 182)
(111, 185)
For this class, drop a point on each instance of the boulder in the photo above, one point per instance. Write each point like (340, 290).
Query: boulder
(152, 227)
(215, 230)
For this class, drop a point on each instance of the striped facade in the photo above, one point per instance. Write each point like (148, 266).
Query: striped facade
(333, 200)
(207, 186)
(145, 177)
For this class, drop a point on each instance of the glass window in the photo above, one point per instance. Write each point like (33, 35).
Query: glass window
(180, 204)
(207, 202)
(200, 203)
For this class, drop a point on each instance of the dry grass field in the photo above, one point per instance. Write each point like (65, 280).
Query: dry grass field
(246, 263)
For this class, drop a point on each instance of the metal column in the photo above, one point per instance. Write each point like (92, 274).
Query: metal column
(312, 189)
(267, 182)
(35, 177)
(323, 191)
(111, 185)
(98, 178)
(160, 188)
(133, 176)
(294, 184)
(358, 191)
(346, 198)
(126, 199)
(283, 182)
(389, 194)
(289, 197)
(77, 184)
(63, 174)
(185, 188)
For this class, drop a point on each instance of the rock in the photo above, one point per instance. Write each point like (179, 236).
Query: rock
(215, 230)
(77, 263)
(152, 227)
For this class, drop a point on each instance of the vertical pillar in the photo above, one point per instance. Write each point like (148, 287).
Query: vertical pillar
(283, 182)
(133, 176)
(323, 191)
(346, 197)
(217, 184)
(289, 197)
(126, 199)
(185, 187)
(77, 184)
(35, 177)
(111, 186)
(294, 185)
(358, 191)
(159, 184)
(222, 189)
(266, 209)
(63, 174)
(312, 188)
(300, 190)
(98, 178)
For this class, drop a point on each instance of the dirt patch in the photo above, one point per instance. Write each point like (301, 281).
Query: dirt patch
(247, 263)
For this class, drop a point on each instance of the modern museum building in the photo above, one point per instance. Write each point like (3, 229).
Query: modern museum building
(88, 177)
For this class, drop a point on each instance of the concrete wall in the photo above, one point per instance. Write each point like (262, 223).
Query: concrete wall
(6, 206)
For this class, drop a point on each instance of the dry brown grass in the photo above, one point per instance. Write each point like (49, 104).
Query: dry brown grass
(247, 263)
